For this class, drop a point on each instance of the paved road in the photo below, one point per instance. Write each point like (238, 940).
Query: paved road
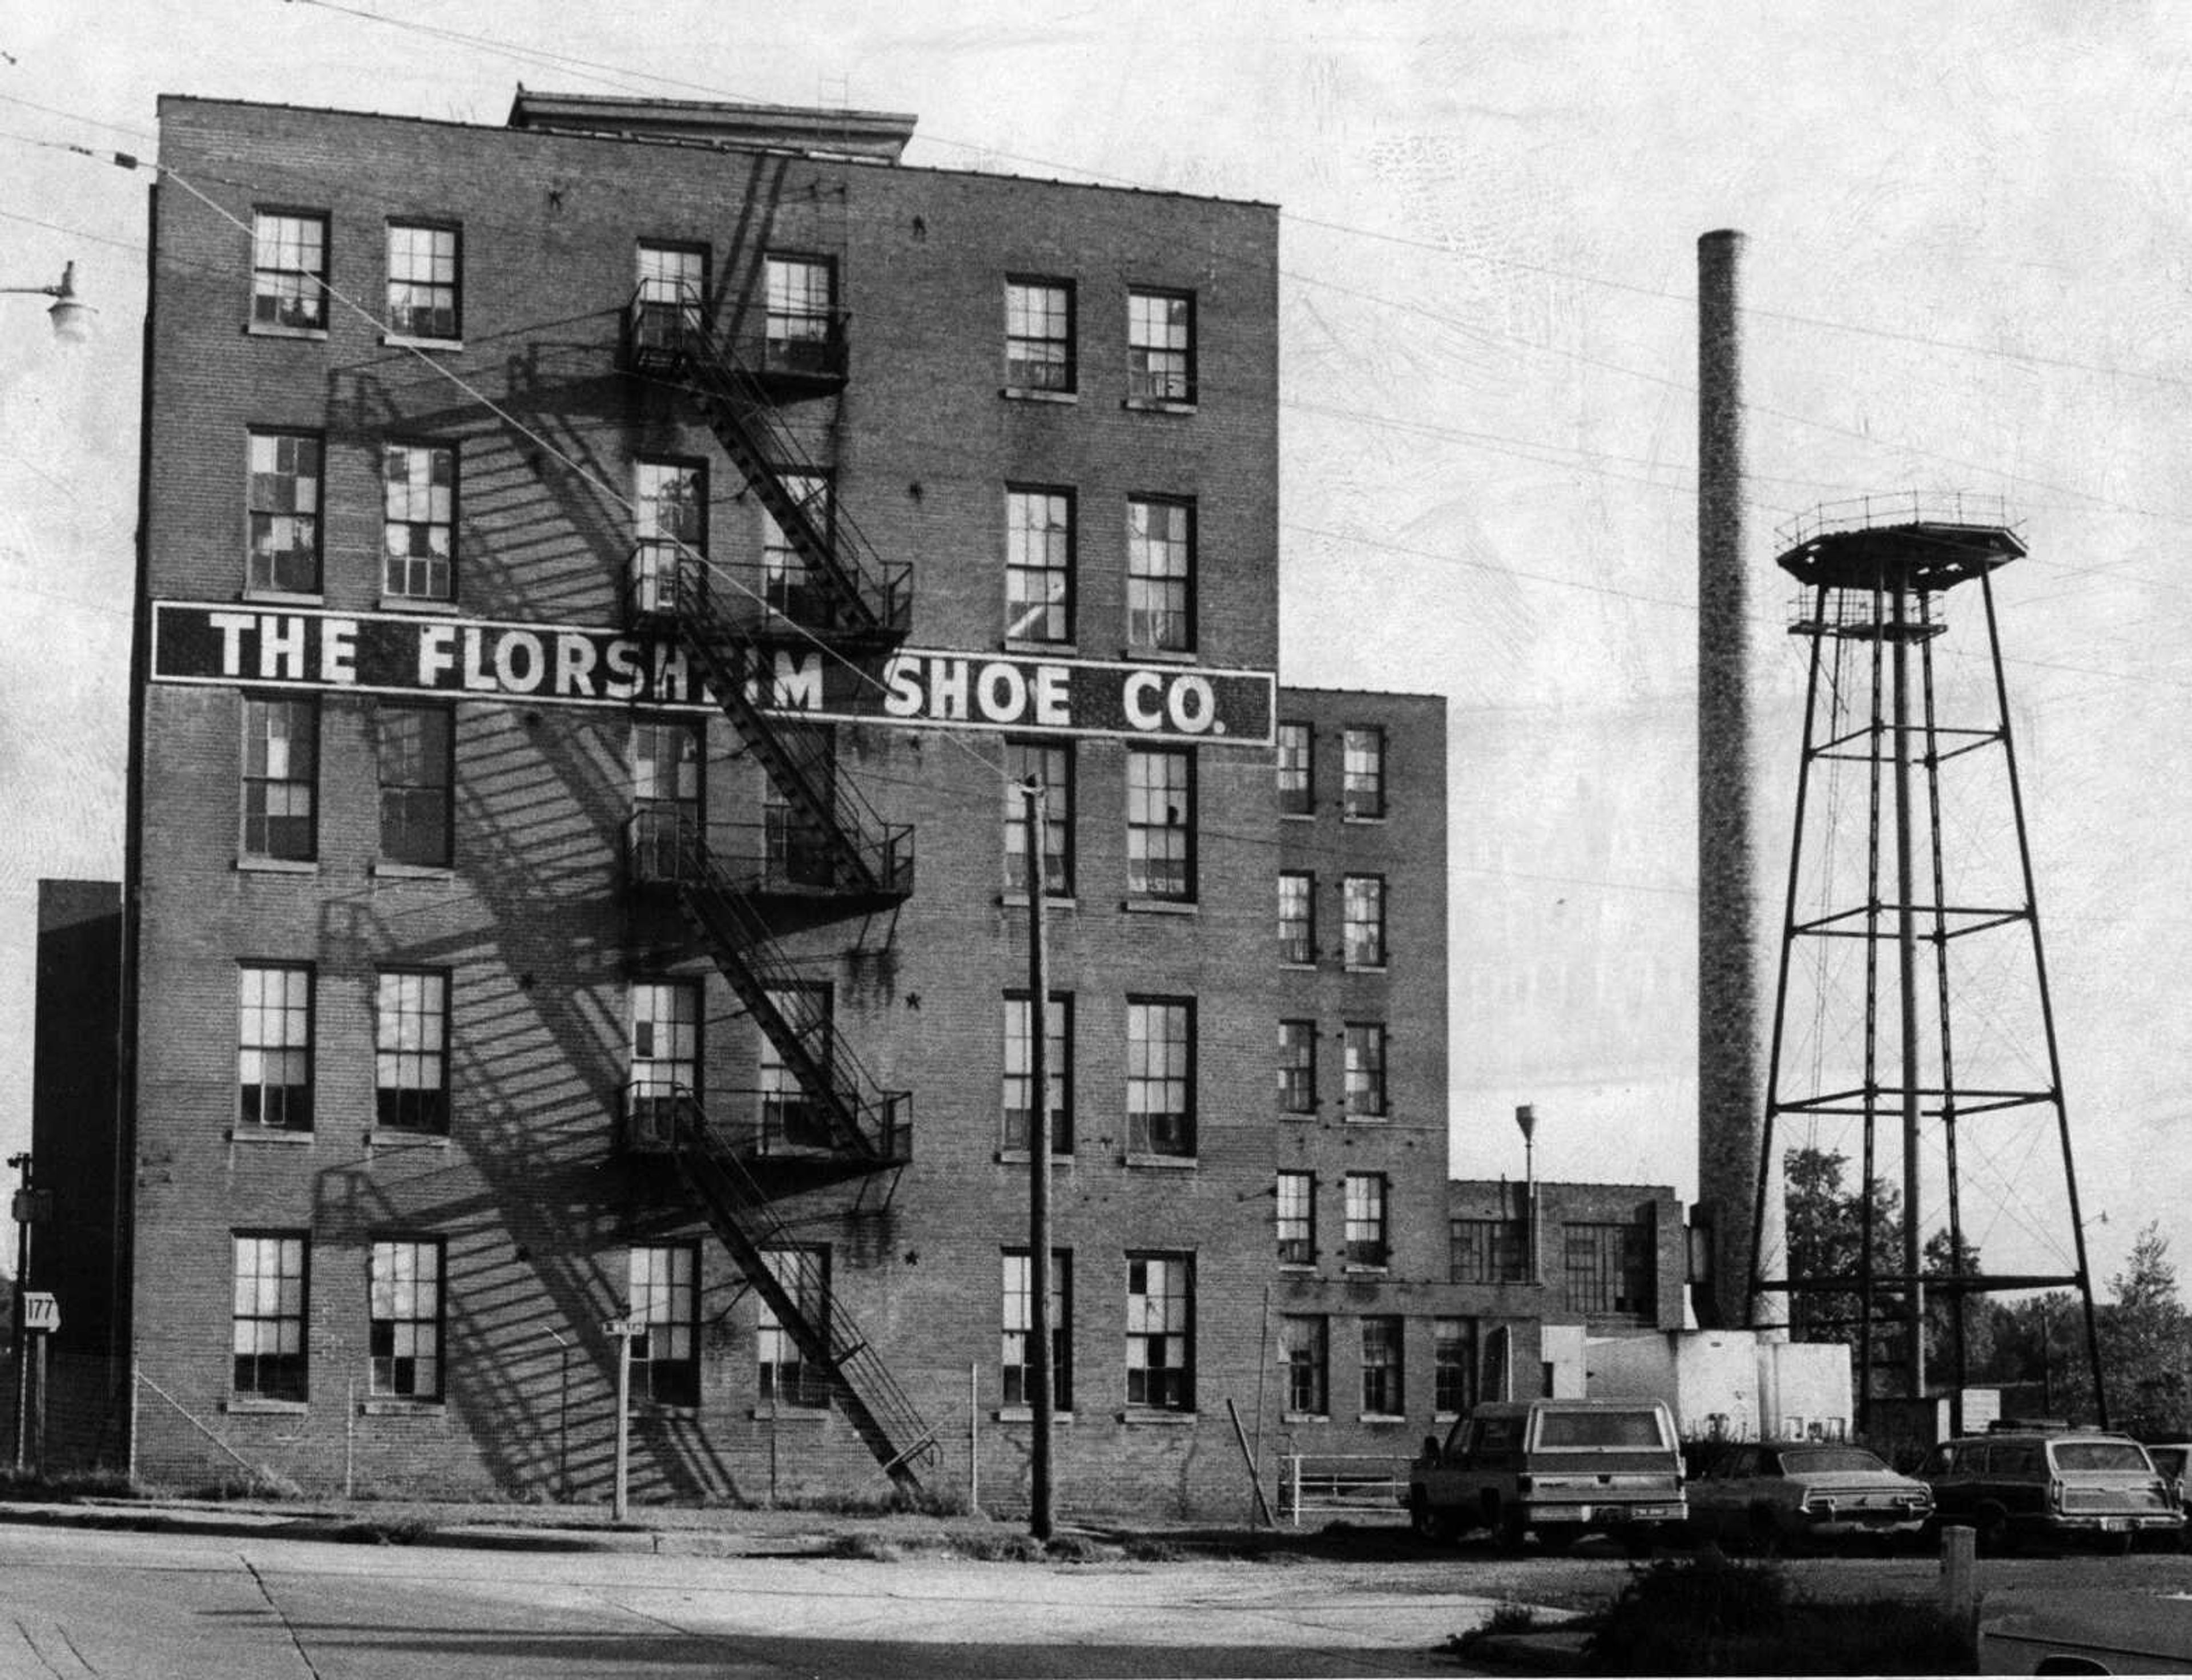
(142, 1607)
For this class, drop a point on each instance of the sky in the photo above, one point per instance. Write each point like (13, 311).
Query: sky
(1966, 271)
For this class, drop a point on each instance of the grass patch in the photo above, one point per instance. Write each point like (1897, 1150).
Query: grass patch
(1508, 1616)
(1708, 1615)
(1154, 1549)
(68, 1486)
(401, 1530)
(261, 1483)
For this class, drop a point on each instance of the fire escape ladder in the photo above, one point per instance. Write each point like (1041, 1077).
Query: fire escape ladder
(738, 1213)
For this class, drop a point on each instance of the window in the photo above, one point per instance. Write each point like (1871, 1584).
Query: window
(1453, 1365)
(1363, 1074)
(1382, 1394)
(1160, 824)
(787, 580)
(1052, 766)
(411, 1067)
(797, 842)
(1363, 921)
(281, 772)
(791, 1118)
(1363, 773)
(1608, 1270)
(1160, 1332)
(1038, 565)
(419, 485)
(672, 292)
(666, 797)
(268, 1326)
(1159, 1077)
(1160, 346)
(1297, 917)
(1297, 1219)
(1366, 1220)
(786, 1377)
(669, 533)
(1303, 1342)
(1039, 334)
(415, 756)
(1486, 1251)
(1160, 575)
(422, 282)
(802, 331)
(1019, 1093)
(289, 270)
(404, 1331)
(284, 552)
(664, 1294)
(1297, 767)
(666, 1052)
(1297, 1066)
(1015, 1364)
(274, 1052)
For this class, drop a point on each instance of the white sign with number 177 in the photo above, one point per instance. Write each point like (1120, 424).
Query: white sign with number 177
(41, 1311)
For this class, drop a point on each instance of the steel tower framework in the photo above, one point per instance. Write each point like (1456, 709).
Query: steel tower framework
(1871, 577)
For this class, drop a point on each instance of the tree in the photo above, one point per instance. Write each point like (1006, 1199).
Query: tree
(2144, 1345)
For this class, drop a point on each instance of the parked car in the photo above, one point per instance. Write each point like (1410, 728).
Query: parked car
(1783, 1495)
(2061, 1630)
(2019, 1484)
(2169, 1458)
(1559, 1468)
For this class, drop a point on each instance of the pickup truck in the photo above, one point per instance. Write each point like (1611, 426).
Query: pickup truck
(1557, 1468)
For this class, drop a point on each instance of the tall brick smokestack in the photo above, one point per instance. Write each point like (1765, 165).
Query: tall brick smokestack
(1731, 1039)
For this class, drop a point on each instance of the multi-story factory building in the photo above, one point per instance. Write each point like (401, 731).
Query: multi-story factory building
(605, 583)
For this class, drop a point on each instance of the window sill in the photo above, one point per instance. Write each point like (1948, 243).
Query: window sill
(284, 598)
(1016, 644)
(269, 329)
(406, 341)
(1158, 405)
(1051, 900)
(1321, 1419)
(395, 1137)
(1362, 968)
(415, 603)
(1026, 1415)
(1176, 1419)
(1169, 1163)
(1296, 1115)
(1019, 1156)
(258, 1134)
(1157, 655)
(247, 1405)
(792, 1415)
(1298, 1268)
(1299, 968)
(1036, 393)
(1365, 1119)
(1351, 816)
(1297, 817)
(251, 866)
(1159, 907)
(385, 871)
(1365, 1269)
(392, 1406)
(1396, 1418)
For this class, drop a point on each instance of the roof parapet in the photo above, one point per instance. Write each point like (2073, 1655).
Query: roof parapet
(878, 136)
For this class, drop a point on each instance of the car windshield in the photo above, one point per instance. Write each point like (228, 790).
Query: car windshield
(1810, 1460)
(1599, 1429)
(2098, 1455)
(2169, 1461)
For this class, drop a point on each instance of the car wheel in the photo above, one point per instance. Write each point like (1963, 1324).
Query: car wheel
(1508, 1527)
(1766, 1537)
(1991, 1534)
(1431, 1525)
(1559, 1536)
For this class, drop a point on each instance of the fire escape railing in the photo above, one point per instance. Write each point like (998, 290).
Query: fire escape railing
(740, 1213)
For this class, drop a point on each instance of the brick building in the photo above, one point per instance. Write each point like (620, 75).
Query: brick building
(604, 580)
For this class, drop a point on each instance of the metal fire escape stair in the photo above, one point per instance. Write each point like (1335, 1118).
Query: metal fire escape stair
(738, 1213)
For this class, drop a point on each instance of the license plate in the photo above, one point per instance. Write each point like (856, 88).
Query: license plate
(2113, 1525)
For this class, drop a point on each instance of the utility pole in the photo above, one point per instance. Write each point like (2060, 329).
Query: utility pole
(1038, 886)
(24, 1212)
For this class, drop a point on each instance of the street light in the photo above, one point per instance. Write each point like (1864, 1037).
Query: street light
(69, 314)
(1526, 1121)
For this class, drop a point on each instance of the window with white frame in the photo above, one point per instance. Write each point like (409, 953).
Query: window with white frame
(1160, 1076)
(1160, 346)
(424, 296)
(787, 573)
(1295, 752)
(1363, 921)
(267, 1316)
(1297, 1219)
(411, 1061)
(669, 533)
(1366, 1234)
(283, 556)
(1382, 1367)
(289, 269)
(791, 1116)
(666, 1052)
(1362, 1046)
(1160, 1332)
(787, 1376)
(797, 844)
(799, 296)
(1019, 1072)
(662, 1292)
(1038, 565)
(1159, 574)
(404, 1325)
(1297, 1066)
(666, 797)
(1016, 1360)
(1453, 1365)
(274, 1049)
(1039, 334)
(419, 487)
(1296, 917)
(1161, 823)
(1363, 773)
(414, 763)
(671, 294)
(1050, 763)
(281, 778)
(1303, 1344)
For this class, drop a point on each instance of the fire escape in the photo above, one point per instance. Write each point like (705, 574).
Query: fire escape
(820, 588)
